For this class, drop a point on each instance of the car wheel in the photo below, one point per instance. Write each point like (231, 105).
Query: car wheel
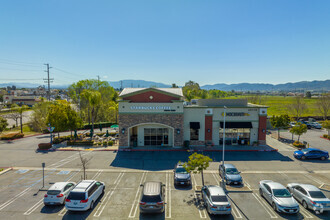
(304, 203)
(260, 192)
(323, 158)
(274, 207)
(303, 157)
(92, 205)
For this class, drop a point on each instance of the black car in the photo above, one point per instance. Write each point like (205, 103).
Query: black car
(181, 176)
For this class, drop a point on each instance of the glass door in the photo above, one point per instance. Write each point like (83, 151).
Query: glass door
(234, 140)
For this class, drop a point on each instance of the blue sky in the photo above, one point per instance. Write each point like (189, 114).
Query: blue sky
(169, 41)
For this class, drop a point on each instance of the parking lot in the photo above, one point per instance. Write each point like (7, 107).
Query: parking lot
(20, 198)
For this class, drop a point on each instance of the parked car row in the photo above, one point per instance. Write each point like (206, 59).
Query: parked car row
(285, 199)
(307, 123)
(83, 196)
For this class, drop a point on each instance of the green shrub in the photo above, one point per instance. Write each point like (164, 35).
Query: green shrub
(12, 136)
(325, 136)
(44, 146)
(110, 143)
(298, 144)
(81, 143)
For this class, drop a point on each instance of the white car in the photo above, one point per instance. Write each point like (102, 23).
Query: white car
(58, 192)
(278, 196)
(84, 195)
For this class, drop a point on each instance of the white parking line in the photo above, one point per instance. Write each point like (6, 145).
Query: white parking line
(168, 196)
(202, 213)
(271, 213)
(108, 197)
(304, 212)
(194, 179)
(236, 212)
(4, 205)
(314, 179)
(34, 207)
(135, 202)
(283, 174)
(97, 174)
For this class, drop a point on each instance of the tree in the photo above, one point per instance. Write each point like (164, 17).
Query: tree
(14, 115)
(3, 124)
(94, 99)
(279, 122)
(101, 111)
(197, 163)
(62, 117)
(323, 104)
(174, 85)
(20, 110)
(326, 125)
(39, 116)
(299, 129)
(308, 95)
(84, 163)
(114, 109)
(298, 107)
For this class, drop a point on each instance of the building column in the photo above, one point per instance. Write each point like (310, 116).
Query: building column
(262, 130)
(208, 127)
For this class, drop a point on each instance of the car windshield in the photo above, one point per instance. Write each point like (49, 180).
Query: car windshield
(231, 171)
(76, 196)
(151, 199)
(317, 194)
(281, 193)
(181, 170)
(219, 199)
(305, 150)
(53, 192)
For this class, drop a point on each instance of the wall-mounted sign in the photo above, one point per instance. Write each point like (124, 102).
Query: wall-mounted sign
(236, 114)
(150, 107)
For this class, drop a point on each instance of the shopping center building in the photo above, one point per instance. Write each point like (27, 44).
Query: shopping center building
(160, 117)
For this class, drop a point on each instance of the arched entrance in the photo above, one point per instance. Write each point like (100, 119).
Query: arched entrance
(150, 134)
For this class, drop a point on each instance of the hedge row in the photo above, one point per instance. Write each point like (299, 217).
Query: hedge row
(44, 146)
(298, 144)
(81, 143)
(326, 136)
(11, 136)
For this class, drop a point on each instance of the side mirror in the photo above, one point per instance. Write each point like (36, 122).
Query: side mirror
(239, 172)
(141, 185)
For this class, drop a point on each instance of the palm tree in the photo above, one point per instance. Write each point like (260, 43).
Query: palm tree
(94, 99)
(114, 107)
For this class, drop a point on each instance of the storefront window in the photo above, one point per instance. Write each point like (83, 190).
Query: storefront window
(235, 136)
(194, 133)
(155, 136)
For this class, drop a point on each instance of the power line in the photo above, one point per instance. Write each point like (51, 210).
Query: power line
(19, 64)
(64, 71)
(12, 61)
(18, 79)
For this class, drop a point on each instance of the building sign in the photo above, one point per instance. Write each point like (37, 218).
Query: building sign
(236, 114)
(150, 107)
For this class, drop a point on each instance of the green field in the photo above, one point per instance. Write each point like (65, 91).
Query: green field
(278, 105)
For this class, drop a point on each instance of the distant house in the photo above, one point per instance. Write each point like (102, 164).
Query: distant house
(20, 100)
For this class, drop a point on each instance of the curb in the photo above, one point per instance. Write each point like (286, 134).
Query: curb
(324, 138)
(154, 150)
(5, 171)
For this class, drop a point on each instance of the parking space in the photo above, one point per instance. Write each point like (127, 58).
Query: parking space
(20, 198)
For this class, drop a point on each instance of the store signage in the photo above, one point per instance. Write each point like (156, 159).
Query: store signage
(236, 114)
(150, 108)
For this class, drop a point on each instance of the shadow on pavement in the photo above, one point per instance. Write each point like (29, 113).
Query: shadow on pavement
(52, 209)
(146, 216)
(162, 160)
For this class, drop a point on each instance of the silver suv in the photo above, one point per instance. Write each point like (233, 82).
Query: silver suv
(152, 197)
(84, 195)
(181, 176)
(230, 174)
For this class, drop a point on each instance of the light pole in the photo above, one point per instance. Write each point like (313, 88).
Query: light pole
(223, 145)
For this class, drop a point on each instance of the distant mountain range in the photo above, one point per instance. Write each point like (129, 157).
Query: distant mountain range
(303, 85)
(131, 83)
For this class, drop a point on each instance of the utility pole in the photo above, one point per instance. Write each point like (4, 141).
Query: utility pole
(121, 85)
(49, 80)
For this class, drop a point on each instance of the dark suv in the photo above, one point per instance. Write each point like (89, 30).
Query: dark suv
(181, 176)
(152, 197)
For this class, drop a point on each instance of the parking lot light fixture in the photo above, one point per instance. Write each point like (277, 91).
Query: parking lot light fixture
(223, 145)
